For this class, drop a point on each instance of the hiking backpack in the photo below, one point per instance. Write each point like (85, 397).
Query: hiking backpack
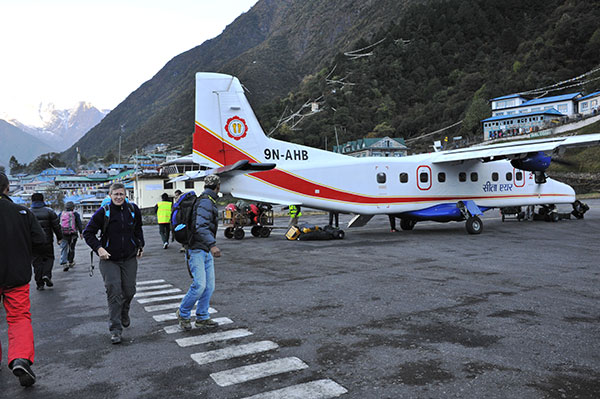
(182, 222)
(67, 222)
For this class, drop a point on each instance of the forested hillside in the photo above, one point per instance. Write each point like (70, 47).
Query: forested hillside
(438, 65)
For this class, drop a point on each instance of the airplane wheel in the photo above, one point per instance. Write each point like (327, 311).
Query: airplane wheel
(228, 232)
(238, 234)
(554, 217)
(407, 224)
(264, 232)
(340, 234)
(255, 231)
(474, 225)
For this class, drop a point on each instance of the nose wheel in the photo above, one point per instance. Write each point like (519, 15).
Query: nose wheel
(474, 225)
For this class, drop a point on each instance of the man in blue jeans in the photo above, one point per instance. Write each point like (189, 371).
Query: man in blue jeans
(200, 253)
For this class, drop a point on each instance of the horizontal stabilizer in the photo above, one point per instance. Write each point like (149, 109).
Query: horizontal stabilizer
(240, 167)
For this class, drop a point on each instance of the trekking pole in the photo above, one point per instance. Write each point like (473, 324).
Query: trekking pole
(91, 263)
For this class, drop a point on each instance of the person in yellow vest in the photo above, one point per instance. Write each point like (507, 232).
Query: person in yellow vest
(295, 213)
(163, 214)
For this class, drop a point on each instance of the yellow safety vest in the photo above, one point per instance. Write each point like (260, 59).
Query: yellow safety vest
(164, 212)
(294, 212)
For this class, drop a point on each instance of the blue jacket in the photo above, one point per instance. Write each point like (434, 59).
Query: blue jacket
(123, 236)
(206, 217)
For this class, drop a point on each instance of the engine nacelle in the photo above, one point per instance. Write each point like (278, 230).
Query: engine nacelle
(533, 162)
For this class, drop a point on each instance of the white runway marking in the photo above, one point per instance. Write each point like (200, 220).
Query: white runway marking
(150, 282)
(320, 389)
(219, 336)
(171, 316)
(153, 293)
(160, 298)
(166, 306)
(233, 351)
(175, 329)
(152, 287)
(259, 370)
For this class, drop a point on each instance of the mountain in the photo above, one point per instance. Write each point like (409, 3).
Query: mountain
(271, 48)
(59, 128)
(23, 146)
(419, 66)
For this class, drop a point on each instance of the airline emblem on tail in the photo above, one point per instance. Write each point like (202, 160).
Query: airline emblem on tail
(236, 128)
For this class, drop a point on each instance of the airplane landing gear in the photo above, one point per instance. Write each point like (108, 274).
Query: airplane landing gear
(474, 225)
(407, 224)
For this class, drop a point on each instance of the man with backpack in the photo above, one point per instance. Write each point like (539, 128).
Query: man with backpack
(70, 223)
(43, 257)
(121, 243)
(201, 249)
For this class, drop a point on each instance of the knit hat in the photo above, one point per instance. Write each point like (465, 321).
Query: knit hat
(69, 206)
(212, 181)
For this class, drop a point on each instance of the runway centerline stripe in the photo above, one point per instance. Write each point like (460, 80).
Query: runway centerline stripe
(320, 389)
(161, 292)
(219, 336)
(152, 287)
(256, 371)
(150, 282)
(160, 298)
(172, 316)
(176, 329)
(233, 351)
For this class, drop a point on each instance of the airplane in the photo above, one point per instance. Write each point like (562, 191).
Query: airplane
(452, 185)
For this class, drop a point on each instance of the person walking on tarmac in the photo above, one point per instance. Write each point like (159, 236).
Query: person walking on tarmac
(43, 259)
(295, 212)
(163, 214)
(200, 253)
(120, 244)
(71, 226)
(178, 193)
(19, 232)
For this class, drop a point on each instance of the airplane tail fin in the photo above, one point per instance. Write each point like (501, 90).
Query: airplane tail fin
(226, 129)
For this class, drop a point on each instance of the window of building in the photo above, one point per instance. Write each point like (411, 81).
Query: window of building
(423, 177)
(474, 176)
(584, 105)
(403, 177)
(167, 185)
(441, 177)
(189, 184)
(508, 176)
(495, 176)
(381, 178)
(562, 108)
(462, 176)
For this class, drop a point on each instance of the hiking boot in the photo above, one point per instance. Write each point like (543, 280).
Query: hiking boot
(65, 267)
(208, 323)
(185, 324)
(39, 286)
(182, 249)
(22, 369)
(48, 281)
(72, 264)
(115, 338)
(165, 245)
(125, 320)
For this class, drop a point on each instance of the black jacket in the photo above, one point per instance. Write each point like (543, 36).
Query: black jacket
(206, 216)
(19, 230)
(48, 220)
(124, 234)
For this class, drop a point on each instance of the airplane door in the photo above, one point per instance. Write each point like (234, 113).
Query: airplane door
(424, 177)
(382, 175)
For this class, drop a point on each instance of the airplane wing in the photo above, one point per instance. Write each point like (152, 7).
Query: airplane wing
(494, 152)
(240, 167)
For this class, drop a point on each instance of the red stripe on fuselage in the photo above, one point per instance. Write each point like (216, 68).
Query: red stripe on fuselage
(215, 148)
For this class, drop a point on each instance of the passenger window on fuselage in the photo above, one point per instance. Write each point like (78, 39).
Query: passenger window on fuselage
(474, 176)
(423, 177)
(441, 177)
(519, 176)
(508, 176)
(381, 178)
(495, 176)
(403, 177)
(462, 176)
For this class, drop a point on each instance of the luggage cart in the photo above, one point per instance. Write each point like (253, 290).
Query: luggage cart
(234, 220)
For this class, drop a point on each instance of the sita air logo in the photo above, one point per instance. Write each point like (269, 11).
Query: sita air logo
(236, 128)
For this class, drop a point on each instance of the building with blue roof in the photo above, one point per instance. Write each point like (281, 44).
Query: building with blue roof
(590, 104)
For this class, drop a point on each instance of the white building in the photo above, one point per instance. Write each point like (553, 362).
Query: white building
(590, 104)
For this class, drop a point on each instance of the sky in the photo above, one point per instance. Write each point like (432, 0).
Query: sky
(66, 51)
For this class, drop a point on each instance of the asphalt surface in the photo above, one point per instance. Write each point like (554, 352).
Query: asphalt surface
(430, 313)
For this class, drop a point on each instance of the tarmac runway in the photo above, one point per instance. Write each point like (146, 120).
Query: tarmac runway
(429, 313)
